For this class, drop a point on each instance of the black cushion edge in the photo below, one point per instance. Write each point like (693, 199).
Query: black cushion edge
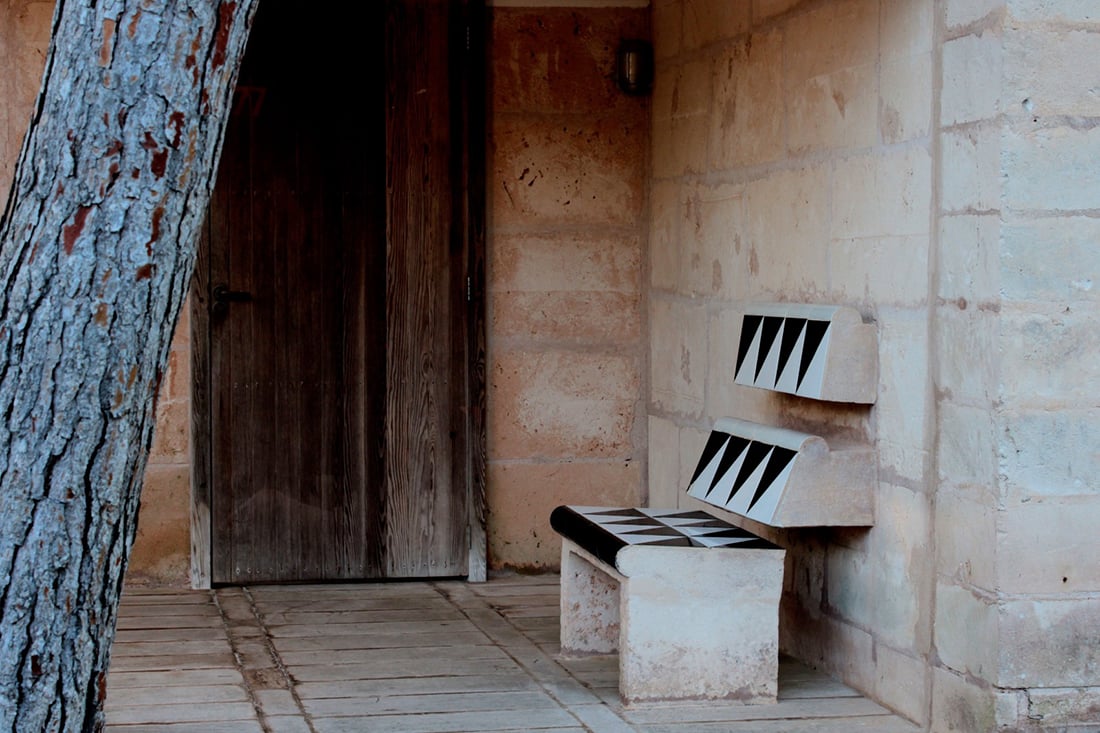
(589, 535)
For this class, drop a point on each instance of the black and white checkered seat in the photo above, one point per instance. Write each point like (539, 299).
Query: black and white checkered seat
(603, 531)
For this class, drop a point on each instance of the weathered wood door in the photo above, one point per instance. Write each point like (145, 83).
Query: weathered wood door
(333, 295)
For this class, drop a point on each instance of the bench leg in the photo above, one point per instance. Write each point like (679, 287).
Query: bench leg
(699, 625)
(589, 605)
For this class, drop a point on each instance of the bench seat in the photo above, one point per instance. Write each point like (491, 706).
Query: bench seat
(689, 602)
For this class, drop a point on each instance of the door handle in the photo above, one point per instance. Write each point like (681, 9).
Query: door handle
(223, 296)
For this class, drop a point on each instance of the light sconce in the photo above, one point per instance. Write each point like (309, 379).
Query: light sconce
(634, 67)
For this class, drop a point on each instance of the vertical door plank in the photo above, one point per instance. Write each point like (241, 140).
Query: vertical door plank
(425, 506)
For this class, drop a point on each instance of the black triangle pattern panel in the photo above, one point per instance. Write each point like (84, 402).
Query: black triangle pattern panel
(750, 473)
(604, 531)
(781, 339)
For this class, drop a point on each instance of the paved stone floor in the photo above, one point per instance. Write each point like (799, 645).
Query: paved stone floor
(408, 657)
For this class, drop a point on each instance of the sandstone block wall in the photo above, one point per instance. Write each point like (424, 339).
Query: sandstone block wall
(933, 165)
(1016, 607)
(793, 161)
(568, 201)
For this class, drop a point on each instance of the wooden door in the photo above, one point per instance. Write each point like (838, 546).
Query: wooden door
(333, 297)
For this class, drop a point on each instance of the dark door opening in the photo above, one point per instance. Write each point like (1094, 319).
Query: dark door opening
(332, 327)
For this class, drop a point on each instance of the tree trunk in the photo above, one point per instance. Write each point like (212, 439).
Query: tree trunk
(97, 245)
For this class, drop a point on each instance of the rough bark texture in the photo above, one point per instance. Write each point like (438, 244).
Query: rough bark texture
(96, 249)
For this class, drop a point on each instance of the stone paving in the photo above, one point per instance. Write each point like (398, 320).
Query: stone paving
(427, 657)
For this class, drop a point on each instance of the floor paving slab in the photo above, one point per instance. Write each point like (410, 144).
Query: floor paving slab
(428, 657)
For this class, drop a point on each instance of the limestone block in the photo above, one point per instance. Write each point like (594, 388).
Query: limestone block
(712, 252)
(882, 270)
(902, 566)
(172, 434)
(841, 649)
(960, 704)
(905, 98)
(586, 170)
(679, 145)
(964, 12)
(788, 215)
(747, 125)
(706, 21)
(1060, 706)
(969, 258)
(830, 37)
(726, 647)
(762, 9)
(680, 110)
(682, 91)
(904, 345)
(882, 194)
(1072, 11)
(162, 546)
(905, 465)
(570, 288)
(968, 445)
(678, 356)
(562, 404)
(578, 318)
(900, 683)
(1043, 73)
(1010, 708)
(1049, 642)
(907, 29)
(541, 262)
(664, 234)
(1051, 168)
(1047, 454)
(1052, 258)
(971, 175)
(972, 71)
(967, 340)
(966, 630)
(31, 39)
(849, 587)
(521, 496)
(833, 111)
(176, 384)
(552, 60)
(724, 395)
(1048, 355)
(1047, 547)
(667, 27)
(692, 441)
(664, 463)
(966, 530)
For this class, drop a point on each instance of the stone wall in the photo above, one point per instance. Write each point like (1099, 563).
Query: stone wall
(1017, 605)
(792, 161)
(933, 165)
(567, 208)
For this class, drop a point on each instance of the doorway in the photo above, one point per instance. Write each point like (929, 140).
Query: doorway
(336, 329)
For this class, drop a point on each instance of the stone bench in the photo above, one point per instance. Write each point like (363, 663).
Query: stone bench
(689, 601)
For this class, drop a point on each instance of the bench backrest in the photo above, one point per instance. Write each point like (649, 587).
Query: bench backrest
(824, 352)
(782, 477)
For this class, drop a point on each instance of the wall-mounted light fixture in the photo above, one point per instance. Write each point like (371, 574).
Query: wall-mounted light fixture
(634, 67)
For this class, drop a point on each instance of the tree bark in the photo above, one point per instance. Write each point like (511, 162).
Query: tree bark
(97, 244)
